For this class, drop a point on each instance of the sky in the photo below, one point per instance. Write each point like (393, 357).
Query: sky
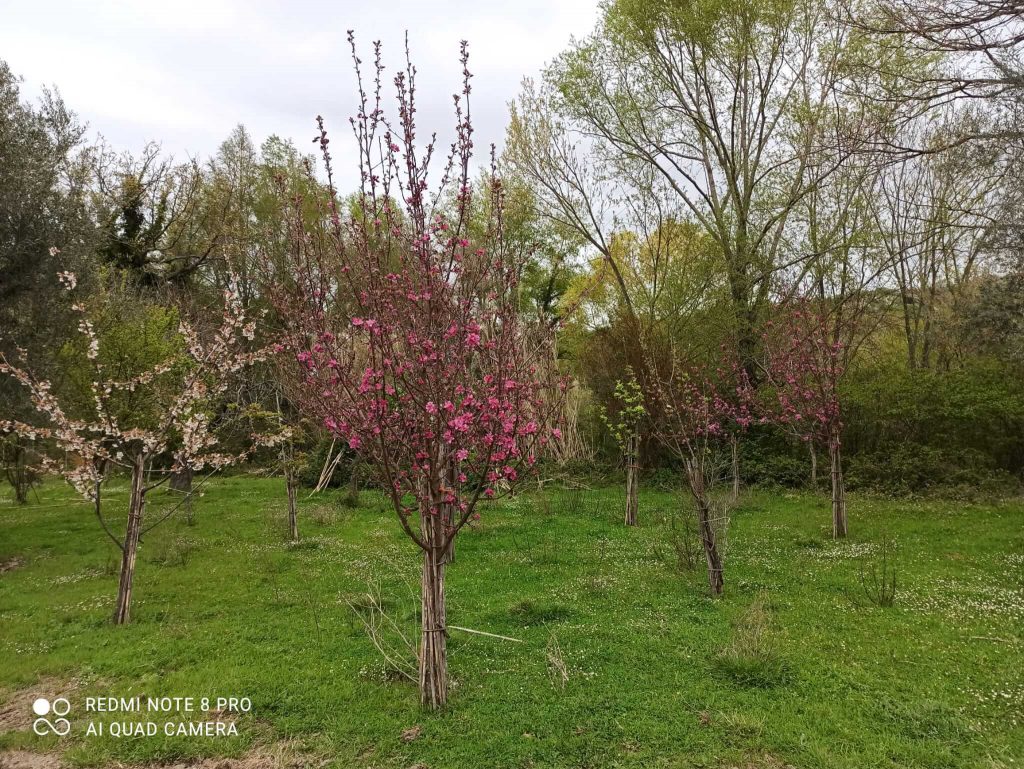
(185, 72)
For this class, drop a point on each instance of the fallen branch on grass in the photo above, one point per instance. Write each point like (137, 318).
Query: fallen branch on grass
(489, 635)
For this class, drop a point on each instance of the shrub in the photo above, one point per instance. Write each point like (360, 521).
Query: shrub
(684, 547)
(917, 416)
(173, 552)
(878, 575)
(781, 470)
(750, 659)
(767, 458)
(904, 468)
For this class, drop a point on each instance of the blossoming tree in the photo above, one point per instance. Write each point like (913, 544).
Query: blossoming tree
(409, 341)
(804, 362)
(144, 409)
(700, 412)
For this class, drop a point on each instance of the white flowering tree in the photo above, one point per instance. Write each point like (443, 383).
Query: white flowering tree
(147, 398)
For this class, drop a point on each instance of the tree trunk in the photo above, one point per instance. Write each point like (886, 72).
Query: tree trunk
(632, 489)
(352, 495)
(838, 488)
(122, 611)
(434, 635)
(814, 464)
(706, 527)
(716, 579)
(735, 446)
(182, 481)
(20, 475)
(293, 516)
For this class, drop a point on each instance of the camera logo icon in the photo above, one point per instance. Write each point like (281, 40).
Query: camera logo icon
(59, 708)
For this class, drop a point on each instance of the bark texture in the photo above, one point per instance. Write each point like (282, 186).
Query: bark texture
(632, 480)
(838, 488)
(706, 527)
(434, 635)
(735, 446)
(19, 474)
(716, 577)
(814, 464)
(182, 481)
(291, 486)
(352, 495)
(130, 546)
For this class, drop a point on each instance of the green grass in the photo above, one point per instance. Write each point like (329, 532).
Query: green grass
(625, 662)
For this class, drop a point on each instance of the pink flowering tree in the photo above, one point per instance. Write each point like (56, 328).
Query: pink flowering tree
(803, 365)
(699, 415)
(408, 339)
(146, 410)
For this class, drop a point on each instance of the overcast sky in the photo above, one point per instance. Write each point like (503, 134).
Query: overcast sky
(184, 73)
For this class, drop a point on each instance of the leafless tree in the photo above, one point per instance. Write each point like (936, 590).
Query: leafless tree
(934, 215)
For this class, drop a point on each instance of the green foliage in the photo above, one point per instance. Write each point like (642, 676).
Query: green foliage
(994, 313)
(624, 426)
(768, 460)
(17, 467)
(134, 336)
(922, 429)
(44, 176)
(902, 468)
(547, 246)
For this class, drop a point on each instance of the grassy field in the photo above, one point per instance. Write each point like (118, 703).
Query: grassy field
(624, 661)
